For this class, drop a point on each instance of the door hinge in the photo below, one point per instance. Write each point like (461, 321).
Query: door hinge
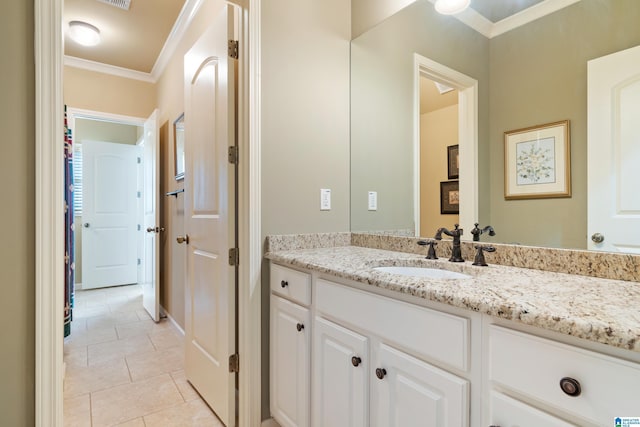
(139, 194)
(139, 227)
(234, 363)
(139, 261)
(234, 256)
(233, 49)
(233, 154)
(139, 160)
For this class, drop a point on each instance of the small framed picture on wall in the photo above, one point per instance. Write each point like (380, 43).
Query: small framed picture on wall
(449, 197)
(453, 162)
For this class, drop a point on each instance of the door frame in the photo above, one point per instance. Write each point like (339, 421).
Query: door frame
(80, 113)
(467, 135)
(49, 183)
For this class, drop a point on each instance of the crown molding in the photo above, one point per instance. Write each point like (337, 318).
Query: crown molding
(113, 70)
(183, 22)
(181, 25)
(490, 29)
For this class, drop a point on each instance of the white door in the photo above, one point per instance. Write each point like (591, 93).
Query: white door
(409, 392)
(151, 218)
(210, 216)
(290, 360)
(614, 152)
(109, 248)
(340, 376)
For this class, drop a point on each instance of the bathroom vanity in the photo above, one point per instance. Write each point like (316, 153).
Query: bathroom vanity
(506, 346)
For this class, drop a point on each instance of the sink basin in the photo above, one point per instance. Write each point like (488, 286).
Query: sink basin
(430, 273)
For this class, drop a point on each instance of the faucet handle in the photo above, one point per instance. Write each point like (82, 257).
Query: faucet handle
(479, 258)
(431, 254)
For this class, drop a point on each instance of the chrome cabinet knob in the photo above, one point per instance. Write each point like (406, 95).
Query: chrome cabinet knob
(181, 239)
(86, 225)
(570, 386)
(597, 238)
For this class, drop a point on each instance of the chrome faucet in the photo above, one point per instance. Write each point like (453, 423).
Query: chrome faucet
(456, 252)
(478, 231)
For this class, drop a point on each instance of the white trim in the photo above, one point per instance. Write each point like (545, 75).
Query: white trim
(99, 67)
(80, 113)
(530, 14)
(489, 29)
(49, 244)
(164, 312)
(250, 294)
(180, 27)
(467, 134)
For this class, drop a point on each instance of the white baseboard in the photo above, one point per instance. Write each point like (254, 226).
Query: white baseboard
(77, 286)
(164, 312)
(269, 423)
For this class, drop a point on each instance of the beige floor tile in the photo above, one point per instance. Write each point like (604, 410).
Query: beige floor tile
(190, 414)
(130, 401)
(186, 390)
(78, 324)
(102, 352)
(81, 380)
(111, 319)
(75, 357)
(77, 411)
(82, 312)
(166, 338)
(94, 336)
(141, 327)
(138, 422)
(146, 365)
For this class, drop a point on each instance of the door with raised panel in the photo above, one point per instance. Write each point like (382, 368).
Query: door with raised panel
(613, 220)
(290, 362)
(408, 392)
(209, 199)
(508, 412)
(340, 376)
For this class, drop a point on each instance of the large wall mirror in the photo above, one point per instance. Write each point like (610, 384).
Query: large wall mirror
(531, 75)
(178, 141)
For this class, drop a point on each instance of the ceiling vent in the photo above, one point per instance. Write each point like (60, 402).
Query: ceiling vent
(121, 4)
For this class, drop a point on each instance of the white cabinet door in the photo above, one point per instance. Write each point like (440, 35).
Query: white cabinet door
(508, 412)
(341, 369)
(290, 363)
(409, 392)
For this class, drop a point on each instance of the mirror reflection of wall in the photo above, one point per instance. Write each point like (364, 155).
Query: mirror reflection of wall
(533, 74)
(438, 131)
(178, 134)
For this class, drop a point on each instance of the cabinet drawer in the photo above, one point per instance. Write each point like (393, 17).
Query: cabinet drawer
(508, 412)
(534, 367)
(426, 332)
(291, 284)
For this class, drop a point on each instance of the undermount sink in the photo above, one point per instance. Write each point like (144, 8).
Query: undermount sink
(430, 273)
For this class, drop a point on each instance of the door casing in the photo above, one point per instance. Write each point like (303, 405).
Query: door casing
(49, 256)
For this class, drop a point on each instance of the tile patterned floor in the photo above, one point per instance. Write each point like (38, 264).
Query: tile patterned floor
(122, 369)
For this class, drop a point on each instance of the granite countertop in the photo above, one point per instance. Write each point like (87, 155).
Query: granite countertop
(600, 310)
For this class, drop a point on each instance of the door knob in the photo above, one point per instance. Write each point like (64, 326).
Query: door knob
(86, 225)
(151, 230)
(184, 239)
(597, 238)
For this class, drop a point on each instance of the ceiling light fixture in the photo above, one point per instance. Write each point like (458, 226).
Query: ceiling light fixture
(451, 7)
(83, 33)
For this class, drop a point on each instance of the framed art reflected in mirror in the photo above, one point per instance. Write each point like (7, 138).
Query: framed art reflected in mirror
(178, 147)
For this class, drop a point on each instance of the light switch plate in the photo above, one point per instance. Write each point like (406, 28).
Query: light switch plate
(373, 201)
(325, 199)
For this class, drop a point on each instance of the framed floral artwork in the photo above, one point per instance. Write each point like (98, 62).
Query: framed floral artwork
(537, 162)
(449, 197)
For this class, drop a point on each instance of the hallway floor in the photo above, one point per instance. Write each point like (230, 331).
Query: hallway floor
(123, 369)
